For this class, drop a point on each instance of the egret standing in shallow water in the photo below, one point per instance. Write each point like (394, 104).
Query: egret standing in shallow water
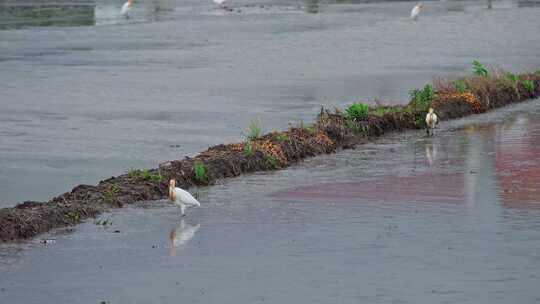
(126, 8)
(181, 197)
(431, 121)
(416, 11)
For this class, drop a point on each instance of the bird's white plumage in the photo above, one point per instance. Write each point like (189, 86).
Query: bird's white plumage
(416, 11)
(181, 197)
(431, 120)
(219, 2)
(184, 197)
(126, 8)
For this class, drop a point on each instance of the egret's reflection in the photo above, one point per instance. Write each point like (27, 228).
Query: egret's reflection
(431, 153)
(180, 235)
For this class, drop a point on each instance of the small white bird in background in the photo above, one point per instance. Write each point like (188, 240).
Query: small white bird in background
(431, 121)
(181, 197)
(221, 4)
(180, 235)
(126, 8)
(416, 11)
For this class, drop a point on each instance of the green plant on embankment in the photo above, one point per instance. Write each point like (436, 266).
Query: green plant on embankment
(254, 130)
(420, 103)
(271, 160)
(479, 69)
(146, 175)
(110, 194)
(460, 86)
(281, 137)
(309, 129)
(528, 85)
(514, 81)
(357, 111)
(200, 172)
(381, 110)
(248, 149)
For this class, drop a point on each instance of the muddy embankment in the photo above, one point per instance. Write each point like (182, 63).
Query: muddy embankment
(332, 130)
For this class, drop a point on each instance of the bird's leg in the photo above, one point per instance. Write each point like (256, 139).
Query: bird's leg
(183, 209)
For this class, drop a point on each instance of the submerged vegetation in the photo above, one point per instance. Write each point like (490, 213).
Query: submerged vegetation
(450, 98)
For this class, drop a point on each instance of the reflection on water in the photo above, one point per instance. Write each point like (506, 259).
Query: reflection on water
(16, 14)
(481, 167)
(180, 235)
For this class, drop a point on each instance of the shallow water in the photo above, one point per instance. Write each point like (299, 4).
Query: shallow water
(407, 219)
(81, 103)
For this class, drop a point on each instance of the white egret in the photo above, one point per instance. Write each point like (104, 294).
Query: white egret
(221, 4)
(181, 197)
(126, 8)
(416, 11)
(180, 235)
(431, 121)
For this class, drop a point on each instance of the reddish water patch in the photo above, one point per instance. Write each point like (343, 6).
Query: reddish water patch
(426, 187)
(517, 164)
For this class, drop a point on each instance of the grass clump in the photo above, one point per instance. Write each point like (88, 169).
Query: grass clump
(420, 103)
(513, 79)
(248, 150)
(146, 175)
(357, 111)
(479, 69)
(200, 172)
(460, 86)
(421, 99)
(110, 194)
(528, 85)
(382, 110)
(271, 160)
(281, 137)
(254, 129)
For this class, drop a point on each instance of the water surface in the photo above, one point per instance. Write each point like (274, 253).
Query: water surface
(82, 102)
(407, 219)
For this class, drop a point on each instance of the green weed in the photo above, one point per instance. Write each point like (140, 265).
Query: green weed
(514, 80)
(271, 160)
(254, 129)
(528, 85)
(460, 86)
(421, 99)
(357, 111)
(200, 171)
(282, 137)
(248, 149)
(146, 175)
(479, 69)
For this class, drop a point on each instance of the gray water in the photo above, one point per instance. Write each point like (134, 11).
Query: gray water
(407, 219)
(82, 103)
